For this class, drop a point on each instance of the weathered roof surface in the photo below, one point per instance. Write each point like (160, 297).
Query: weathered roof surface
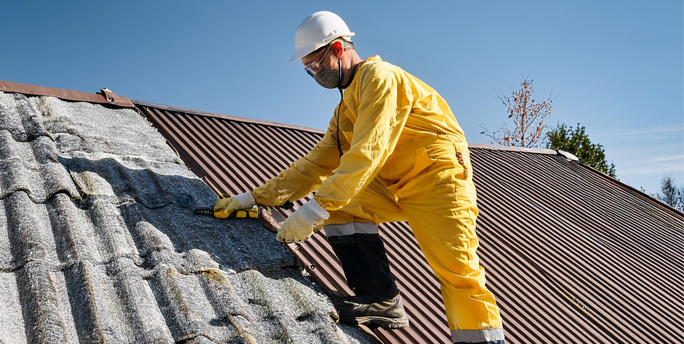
(98, 242)
(573, 256)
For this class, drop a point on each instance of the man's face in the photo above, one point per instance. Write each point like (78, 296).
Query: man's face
(318, 61)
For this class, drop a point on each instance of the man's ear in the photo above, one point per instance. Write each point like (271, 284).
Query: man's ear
(338, 49)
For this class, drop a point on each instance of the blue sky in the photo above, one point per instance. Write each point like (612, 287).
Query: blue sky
(615, 66)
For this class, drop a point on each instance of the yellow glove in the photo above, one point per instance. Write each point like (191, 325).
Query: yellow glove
(226, 206)
(301, 224)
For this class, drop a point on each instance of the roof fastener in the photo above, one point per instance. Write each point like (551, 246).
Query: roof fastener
(107, 94)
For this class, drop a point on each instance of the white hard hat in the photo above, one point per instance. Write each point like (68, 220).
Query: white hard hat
(317, 31)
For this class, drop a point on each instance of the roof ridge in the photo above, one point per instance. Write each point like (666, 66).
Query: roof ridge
(633, 189)
(223, 116)
(105, 96)
(571, 157)
(513, 148)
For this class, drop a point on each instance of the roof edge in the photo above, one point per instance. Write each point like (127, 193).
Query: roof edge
(229, 117)
(571, 157)
(105, 97)
(512, 148)
(660, 203)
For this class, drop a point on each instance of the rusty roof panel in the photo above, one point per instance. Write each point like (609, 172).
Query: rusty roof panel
(573, 256)
(105, 96)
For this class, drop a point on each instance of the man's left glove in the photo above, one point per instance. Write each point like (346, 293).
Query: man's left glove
(301, 224)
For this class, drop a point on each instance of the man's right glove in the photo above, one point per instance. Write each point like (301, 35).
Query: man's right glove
(302, 224)
(226, 206)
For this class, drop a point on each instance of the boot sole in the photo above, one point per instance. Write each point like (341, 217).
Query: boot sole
(384, 322)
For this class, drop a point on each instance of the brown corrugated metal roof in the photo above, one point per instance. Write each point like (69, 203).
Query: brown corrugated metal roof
(572, 256)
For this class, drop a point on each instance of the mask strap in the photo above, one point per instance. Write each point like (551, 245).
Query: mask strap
(356, 68)
(341, 80)
(339, 146)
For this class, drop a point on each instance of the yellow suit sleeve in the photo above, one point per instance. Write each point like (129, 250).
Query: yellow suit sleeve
(384, 106)
(304, 175)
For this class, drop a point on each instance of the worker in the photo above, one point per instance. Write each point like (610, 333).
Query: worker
(393, 151)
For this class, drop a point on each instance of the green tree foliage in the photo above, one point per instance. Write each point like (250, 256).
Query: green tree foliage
(576, 141)
(670, 194)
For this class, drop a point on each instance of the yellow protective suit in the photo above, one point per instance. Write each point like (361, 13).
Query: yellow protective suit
(405, 158)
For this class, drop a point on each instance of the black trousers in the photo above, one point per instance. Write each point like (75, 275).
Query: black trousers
(365, 264)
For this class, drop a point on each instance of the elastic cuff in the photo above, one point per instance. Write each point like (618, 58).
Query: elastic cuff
(327, 205)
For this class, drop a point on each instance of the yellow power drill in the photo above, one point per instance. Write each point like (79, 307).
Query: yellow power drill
(250, 213)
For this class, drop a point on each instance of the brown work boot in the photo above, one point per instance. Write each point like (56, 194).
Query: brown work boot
(373, 310)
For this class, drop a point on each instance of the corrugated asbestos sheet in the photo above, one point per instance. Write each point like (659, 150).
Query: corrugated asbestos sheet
(99, 244)
(572, 255)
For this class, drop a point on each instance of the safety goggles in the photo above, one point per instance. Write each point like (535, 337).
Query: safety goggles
(309, 67)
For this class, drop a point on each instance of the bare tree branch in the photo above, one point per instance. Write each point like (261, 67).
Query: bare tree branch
(527, 114)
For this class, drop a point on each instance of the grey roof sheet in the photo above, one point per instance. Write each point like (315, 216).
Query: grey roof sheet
(97, 242)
